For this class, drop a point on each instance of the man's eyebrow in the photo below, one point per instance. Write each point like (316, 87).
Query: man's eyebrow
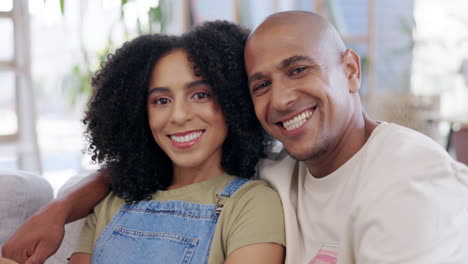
(256, 76)
(284, 64)
(287, 62)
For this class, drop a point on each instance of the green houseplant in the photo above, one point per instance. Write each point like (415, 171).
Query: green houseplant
(77, 83)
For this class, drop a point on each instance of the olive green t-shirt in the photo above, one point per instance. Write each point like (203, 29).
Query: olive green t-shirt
(253, 214)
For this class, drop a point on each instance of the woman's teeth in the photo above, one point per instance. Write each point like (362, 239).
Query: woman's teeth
(187, 138)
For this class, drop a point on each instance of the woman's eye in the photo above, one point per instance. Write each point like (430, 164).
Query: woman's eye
(200, 95)
(298, 70)
(161, 101)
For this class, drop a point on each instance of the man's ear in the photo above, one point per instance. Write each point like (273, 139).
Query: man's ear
(352, 64)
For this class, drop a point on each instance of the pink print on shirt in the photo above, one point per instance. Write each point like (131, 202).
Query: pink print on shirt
(326, 255)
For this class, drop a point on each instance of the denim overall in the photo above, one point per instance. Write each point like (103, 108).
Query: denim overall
(161, 232)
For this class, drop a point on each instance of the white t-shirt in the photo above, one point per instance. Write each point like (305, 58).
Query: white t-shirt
(401, 199)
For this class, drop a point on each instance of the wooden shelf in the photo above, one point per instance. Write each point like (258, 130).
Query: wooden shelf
(4, 14)
(7, 66)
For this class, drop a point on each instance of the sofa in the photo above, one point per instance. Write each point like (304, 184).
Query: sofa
(21, 195)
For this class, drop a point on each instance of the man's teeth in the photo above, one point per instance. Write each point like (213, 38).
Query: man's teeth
(297, 121)
(187, 138)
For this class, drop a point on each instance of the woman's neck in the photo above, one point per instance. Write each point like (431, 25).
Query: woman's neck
(184, 176)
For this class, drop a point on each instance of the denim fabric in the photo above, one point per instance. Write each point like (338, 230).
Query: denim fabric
(160, 232)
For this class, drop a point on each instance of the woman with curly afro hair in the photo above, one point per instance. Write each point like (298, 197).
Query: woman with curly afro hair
(174, 127)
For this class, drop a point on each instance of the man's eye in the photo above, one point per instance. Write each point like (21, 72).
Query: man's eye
(161, 101)
(261, 86)
(200, 95)
(298, 70)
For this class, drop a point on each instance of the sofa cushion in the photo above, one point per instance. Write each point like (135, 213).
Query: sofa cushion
(21, 195)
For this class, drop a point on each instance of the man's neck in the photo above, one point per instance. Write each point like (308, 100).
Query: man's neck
(354, 138)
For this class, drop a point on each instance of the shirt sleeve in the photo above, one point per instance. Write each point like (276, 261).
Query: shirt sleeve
(256, 217)
(85, 242)
(421, 220)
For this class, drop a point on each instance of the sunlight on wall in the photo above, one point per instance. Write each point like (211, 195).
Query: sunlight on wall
(441, 44)
(6, 5)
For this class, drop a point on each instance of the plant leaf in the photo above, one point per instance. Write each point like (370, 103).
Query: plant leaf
(154, 14)
(62, 6)
(122, 3)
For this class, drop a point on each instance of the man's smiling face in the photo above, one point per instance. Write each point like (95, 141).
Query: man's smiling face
(300, 89)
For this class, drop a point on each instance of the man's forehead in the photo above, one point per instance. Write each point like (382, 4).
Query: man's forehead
(276, 51)
(280, 30)
(278, 39)
(282, 38)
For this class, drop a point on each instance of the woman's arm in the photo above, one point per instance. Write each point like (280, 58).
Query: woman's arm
(261, 253)
(80, 258)
(41, 235)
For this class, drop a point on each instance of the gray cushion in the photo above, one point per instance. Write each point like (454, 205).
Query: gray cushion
(21, 195)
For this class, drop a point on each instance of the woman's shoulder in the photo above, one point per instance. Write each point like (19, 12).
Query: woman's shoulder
(109, 205)
(254, 188)
(258, 195)
(253, 214)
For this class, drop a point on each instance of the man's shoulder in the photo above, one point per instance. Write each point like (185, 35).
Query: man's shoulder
(278, 166)
(404, 144)
(400, 158)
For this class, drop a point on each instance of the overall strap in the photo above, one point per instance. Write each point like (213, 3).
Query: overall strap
(228, 191)
(233, 186)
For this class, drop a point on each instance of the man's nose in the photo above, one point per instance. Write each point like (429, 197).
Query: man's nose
(282, 96)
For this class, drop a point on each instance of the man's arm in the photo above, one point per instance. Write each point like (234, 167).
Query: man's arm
(41, 235)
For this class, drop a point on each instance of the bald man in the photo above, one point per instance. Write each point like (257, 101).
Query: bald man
(353, 190)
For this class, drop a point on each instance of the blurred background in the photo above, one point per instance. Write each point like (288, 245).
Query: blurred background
(414, 54)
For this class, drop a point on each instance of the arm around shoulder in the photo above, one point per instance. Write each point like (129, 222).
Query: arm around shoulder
(37, 244)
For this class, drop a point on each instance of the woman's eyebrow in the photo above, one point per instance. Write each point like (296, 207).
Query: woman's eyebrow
(196, 83)
(188, 86)
(158, 89)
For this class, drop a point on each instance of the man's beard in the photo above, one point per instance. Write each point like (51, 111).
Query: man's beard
(316, 153)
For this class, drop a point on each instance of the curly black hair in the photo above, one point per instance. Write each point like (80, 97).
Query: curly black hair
(217, 48)
(117, 127)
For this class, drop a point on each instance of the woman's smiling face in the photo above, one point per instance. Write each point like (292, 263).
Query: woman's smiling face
(185, 120)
